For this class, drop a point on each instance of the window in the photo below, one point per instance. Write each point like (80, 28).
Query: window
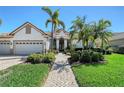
(28, 29)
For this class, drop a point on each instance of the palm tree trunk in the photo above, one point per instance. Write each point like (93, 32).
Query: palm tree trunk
(102, 42)
(83, 44)
(102, 46)
(52, 37)
(87, 44)
(93, 43)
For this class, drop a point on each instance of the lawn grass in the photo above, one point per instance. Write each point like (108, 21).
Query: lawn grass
(110, 74)
(24, 75)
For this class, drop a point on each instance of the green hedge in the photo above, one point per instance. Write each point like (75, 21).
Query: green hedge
(41, 58)
(86, 56)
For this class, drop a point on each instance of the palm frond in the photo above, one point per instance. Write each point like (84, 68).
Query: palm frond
(55, 14)
(108, 23)
(47, 10)
(61, 23)
(48, 21)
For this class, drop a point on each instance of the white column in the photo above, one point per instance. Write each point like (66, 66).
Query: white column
(11, 47)
(65, 43)
(57, 44)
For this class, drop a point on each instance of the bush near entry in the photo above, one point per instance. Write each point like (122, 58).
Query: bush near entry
(41, 58)
(86, 56)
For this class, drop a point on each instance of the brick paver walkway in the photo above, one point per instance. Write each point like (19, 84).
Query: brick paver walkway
(61, 74)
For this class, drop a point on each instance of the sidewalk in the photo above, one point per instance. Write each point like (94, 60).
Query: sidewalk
(61, 74)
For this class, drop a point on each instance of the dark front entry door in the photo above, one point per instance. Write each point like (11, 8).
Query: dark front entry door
(61, 44)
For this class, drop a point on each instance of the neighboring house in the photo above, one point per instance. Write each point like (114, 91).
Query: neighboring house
(117, 40)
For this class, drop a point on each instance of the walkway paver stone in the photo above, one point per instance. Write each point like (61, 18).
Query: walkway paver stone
(61, 74)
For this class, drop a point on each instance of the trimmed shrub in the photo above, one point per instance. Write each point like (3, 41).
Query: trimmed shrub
(95, 57)
(79, 52)
(35, 58)
(48, 58)
(101, 57)
(90, 57)
(86, 57)
(41, 58)
(75, 57)
(108, 52)
(121, 50)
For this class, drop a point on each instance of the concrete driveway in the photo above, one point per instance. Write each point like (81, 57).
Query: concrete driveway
(8, 61)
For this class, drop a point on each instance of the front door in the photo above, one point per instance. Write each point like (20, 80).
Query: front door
(61, 44)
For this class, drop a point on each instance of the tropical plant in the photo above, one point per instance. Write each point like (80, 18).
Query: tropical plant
(104, 33)
(86, 35)
(77, 26)
(90, 32)
(54, 20)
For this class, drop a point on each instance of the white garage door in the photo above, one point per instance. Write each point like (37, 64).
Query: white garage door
(27, 47)
(4, 47)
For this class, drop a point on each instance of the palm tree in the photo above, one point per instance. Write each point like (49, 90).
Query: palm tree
(104, 38)
(104, 33)
(54, 20)
(95, 33)
(77, 26)
(86, 35)
(89, 32)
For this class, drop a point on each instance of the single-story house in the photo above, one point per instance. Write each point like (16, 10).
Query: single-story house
(27, 39)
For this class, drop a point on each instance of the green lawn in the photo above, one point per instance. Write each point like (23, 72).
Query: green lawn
(102, 75)
(24, 75)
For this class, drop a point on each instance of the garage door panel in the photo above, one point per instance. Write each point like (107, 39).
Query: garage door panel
(25, 48)
(4, 48)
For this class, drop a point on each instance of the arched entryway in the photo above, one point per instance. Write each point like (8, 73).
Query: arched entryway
(61, 44)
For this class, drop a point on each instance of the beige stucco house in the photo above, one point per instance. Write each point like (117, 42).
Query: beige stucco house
(27, 39)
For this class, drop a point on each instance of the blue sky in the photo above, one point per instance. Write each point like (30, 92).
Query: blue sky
(13, 17)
